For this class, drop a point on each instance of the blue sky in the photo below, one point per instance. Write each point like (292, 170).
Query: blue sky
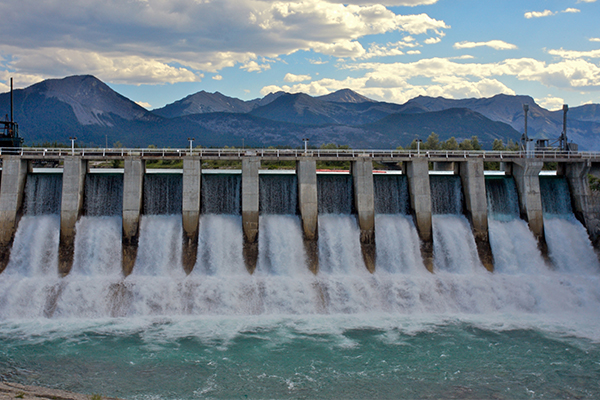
(159, 51)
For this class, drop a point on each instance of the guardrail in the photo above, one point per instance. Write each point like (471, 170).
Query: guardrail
(450, 155)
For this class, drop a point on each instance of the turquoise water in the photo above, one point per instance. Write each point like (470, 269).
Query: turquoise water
(303, 357)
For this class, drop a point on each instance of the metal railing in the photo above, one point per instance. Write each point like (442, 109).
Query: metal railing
(227, 153)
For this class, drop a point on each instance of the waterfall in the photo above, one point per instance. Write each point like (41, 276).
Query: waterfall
(339, 245)
(397, 244)
(502, 198)
(446, 194)
(278, 194)
(221, 194)
(334, 193)
(220, 243)
(42, 194)
(556, 197)
(568, 242)
(280, 246)
(454, 248)
(103, 194)
(162, 193)
(391, 194)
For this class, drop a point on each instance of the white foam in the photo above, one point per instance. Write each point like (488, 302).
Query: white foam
(569, 246)
(515, 248)
(454, 248)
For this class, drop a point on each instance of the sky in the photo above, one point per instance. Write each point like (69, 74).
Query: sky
(156, 52)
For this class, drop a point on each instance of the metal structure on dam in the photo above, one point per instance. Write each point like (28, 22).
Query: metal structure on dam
(524, 167)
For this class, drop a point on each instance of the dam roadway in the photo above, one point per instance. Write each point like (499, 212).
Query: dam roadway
(415, 164)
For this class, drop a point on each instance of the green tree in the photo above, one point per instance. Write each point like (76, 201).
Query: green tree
(475, 143)
(450, 144)
(466, 145)
(497, 145)
(432, 142)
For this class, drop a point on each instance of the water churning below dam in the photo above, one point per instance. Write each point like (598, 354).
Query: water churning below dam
(529, 329)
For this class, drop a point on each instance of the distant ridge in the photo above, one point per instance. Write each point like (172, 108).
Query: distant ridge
(85, 107)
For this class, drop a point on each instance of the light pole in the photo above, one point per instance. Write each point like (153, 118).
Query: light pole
(191, 140)
(418, 146)
(73, 139)
(305, 140)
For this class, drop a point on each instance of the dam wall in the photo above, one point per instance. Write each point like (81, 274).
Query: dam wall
(358, 183)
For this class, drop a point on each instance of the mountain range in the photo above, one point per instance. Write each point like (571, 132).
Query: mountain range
(84, 107)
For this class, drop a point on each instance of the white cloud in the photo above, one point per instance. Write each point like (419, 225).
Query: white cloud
(586, 1)
(494, 44)
(573, 54)
(296, 78)
(154, 41)
(538, 14)
(571, 10)
(551, 103)
(147, 106)
(433, 40)
(413, 52)
(594, 39)
(253, 66)
(217, 78)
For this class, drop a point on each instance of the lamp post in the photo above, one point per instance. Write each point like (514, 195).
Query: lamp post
(72, 139)
(191, 140)
(305, 140)
(419, 146)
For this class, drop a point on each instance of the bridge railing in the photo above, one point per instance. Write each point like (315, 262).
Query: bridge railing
(42, 152)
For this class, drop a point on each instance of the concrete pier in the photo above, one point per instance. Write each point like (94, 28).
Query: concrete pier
(306, 171)
(526, 174)
(584, 208)
(250, 209)
(473, 184)
(14, 175)
(417, 172)
(192, 180)
(73, 185)
(364, 203)
(133, 190)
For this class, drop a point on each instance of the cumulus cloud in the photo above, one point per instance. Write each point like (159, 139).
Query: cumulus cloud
(147, 106)
(573, 54)
(296, 78)
(571, 10)
(165, 41)
(217, 78)
(399, 82)
(538, 14)
(494, 44)
(594, 39)
(551, 102)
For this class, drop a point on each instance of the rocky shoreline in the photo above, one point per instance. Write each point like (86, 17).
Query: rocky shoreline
(11, 391)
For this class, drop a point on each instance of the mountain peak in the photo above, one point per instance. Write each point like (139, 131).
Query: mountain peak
(345, 96)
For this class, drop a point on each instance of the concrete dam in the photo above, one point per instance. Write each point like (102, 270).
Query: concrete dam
(171, 227)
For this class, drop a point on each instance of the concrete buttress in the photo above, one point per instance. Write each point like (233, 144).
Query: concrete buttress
(133, 189)
(14, 175)
(250, 209)
(192, 180)
(306, 171)
(364, 203)
(417, 172)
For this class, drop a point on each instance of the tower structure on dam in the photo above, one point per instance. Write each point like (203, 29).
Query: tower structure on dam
(416, 168)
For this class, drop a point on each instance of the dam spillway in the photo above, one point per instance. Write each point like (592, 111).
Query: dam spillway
(131, 241)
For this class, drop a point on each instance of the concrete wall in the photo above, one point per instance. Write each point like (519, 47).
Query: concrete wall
(306, 171)
(473, 184)
(133, 190)
(527, 178)
(73, 186)
(192, 180)
(364, 203)
(14, 175)
(584, 205)
(250, 208)
(417, 172)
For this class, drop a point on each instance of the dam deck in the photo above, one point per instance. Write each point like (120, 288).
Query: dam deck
(94, 154)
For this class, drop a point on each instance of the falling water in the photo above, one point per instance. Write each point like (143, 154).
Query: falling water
(334, 193)
(103, 194)
(278, 194)
(446, 194)
(42, 194)
(391, 194)
(162, 194)
(221, 194)
(569, 245)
